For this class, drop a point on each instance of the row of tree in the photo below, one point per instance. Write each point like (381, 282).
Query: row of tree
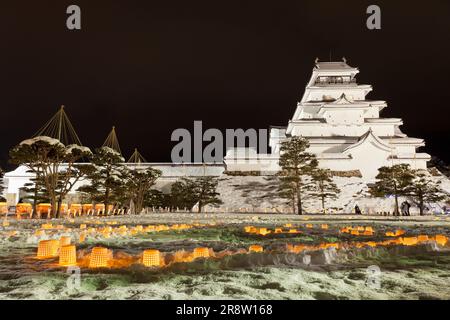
(106, 179)
(57, 168)
(300, 177)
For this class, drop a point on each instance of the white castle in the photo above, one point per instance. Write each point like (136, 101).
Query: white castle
(344, 128)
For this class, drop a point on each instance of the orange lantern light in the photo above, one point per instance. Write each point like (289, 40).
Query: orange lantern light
(263, 231)
(324, 226)
(48, 249)
(100, 257)
(255, 248)
(151, 258)
(422, 238)
(201, 253)
(83, 226)
(309, 226)
(82, 237)
(440, 239)
(278, 230)
(293, 231)
(68, 256)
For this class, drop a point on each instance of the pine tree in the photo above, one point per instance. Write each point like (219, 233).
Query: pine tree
(423, 189)
(322, 186)
(36, 193)
(190, 191)
(393, 180)
(139, 182)
(296, 165)
(107, 177)
(53, 163)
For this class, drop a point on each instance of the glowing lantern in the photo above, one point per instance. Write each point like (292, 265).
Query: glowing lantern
(440, 239)
(3, 208)
(422, 238)
(23, 209)
(87, 207)
(43, 208)
(249, 229)
(409, 241)
(201, 253)
(390, 234)
(263, 231)
(47, 226)
(371, 243)
(293, 231)
(255, 248)
(82, 226)
(99, 208)
(360, 228)
(370, 229)
(82, 237)
(68, 256)
(324, 226)
(39, 233)
(76, 208)
(64, 241)
(288, 225)
(354, 233)
(278, 230)
(368, 233)
(151, 258)
(309, 226)
(100, 257)
(48, 249)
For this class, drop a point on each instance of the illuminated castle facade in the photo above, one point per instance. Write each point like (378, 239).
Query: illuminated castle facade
(344, 128)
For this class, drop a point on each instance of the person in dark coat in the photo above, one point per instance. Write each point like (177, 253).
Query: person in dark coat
(357, 210)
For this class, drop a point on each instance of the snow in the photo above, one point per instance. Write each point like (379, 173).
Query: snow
(406, 272)
(82, 149)
(49, 140)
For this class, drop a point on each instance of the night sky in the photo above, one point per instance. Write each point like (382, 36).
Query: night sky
(149, 67)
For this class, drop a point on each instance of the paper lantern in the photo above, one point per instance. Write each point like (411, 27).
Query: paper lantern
(278, 230)
(293, 231)
(47, 226)
(3, 208)
(100, 257)
(369, 229)
(354, 232)
(422, 238)
(48, 249)
(64, 241)
(68, 256)
(201, 253)
(255, 248)
(324, 226)
(440, 239)
(82, 226)
(39, 233)
(368, 233)
(288, 225)
(151, 258)
(309, 225)
(409, 241)
(263, 231)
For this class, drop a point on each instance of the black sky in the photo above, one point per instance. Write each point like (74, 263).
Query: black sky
(149, 67)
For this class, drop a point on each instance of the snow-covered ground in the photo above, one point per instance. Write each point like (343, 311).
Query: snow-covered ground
(406, 272)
